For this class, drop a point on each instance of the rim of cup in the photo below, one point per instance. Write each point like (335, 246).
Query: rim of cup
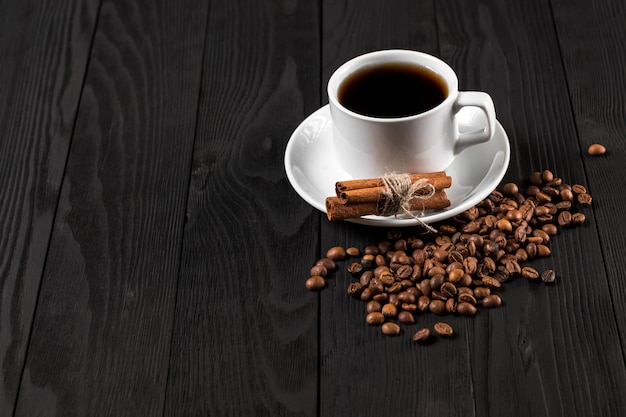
(386, 56)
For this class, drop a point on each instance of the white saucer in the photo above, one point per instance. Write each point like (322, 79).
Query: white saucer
(313, 172)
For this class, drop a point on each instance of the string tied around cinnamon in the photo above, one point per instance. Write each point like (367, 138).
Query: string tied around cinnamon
(398, 193)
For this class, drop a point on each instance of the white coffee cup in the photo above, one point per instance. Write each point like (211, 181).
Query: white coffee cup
(371, 146)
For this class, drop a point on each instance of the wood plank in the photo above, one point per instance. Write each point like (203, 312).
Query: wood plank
(245, 336)
(45, 45)
(101, 336)
(551, 351)
(596, 84)
(364, 372)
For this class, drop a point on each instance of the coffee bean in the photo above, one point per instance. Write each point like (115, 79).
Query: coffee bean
(423, 303)
(387, 278)
(596, 149)
(551, 191)
(327, 263)
(336, 253)
(390, 329)
(466, 309)
(367, 294)
(467, 298)
(584, 199)
(375, 318)
(406, 317)
(443, 329)
(355, 268)
(409, 306)
(542, 197)
(548, 276)
(578, 218)
(352, 251)
(365, 278)
(547, 176)
(368, 261)
(404, 271)
(451, 305)
(490, 282)
(530, 273)
(389, 310)
(437, 307)
(543, 250)
(371, 250)
(510, 189)
(481, 292)
(492, 300)
(550, 229)
(504, 225)
(315, 283)
(579, 189)
(354, 289)
(456, 275)
(319, 270)
(406, 297)
(448, 289)
(422, 335)
(565, 218)
(567, 194)
(373, 306)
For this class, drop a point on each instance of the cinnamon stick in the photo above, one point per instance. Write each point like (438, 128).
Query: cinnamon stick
(378, 182)
(364, 195)
(336, 210)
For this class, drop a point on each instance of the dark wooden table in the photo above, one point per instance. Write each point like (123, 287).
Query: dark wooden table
(153, 252)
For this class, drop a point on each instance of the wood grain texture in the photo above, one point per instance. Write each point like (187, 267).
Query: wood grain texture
(543, 358)
(101, 335)
(245, 336)
(45, 45)
(597, 87)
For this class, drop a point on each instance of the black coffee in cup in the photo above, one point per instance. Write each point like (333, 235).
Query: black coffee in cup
(391, 90)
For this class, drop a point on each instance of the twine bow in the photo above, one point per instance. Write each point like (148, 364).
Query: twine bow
(398, 193)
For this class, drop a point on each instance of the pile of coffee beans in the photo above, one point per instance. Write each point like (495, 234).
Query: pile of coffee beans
(459, 269)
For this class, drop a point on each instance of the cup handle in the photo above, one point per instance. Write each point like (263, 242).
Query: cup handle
(482, 101)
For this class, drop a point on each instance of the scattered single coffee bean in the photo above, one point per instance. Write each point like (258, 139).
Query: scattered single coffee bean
(443, 329)
(596, 149)
(584, 199)
(579, 189)
(548, 276)
(578, 218)
(390, 329)
(492, 300)
(315, 283)
(354, 289)
(355, 268)
(352, 251)
(422, 335)
(336, 253)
